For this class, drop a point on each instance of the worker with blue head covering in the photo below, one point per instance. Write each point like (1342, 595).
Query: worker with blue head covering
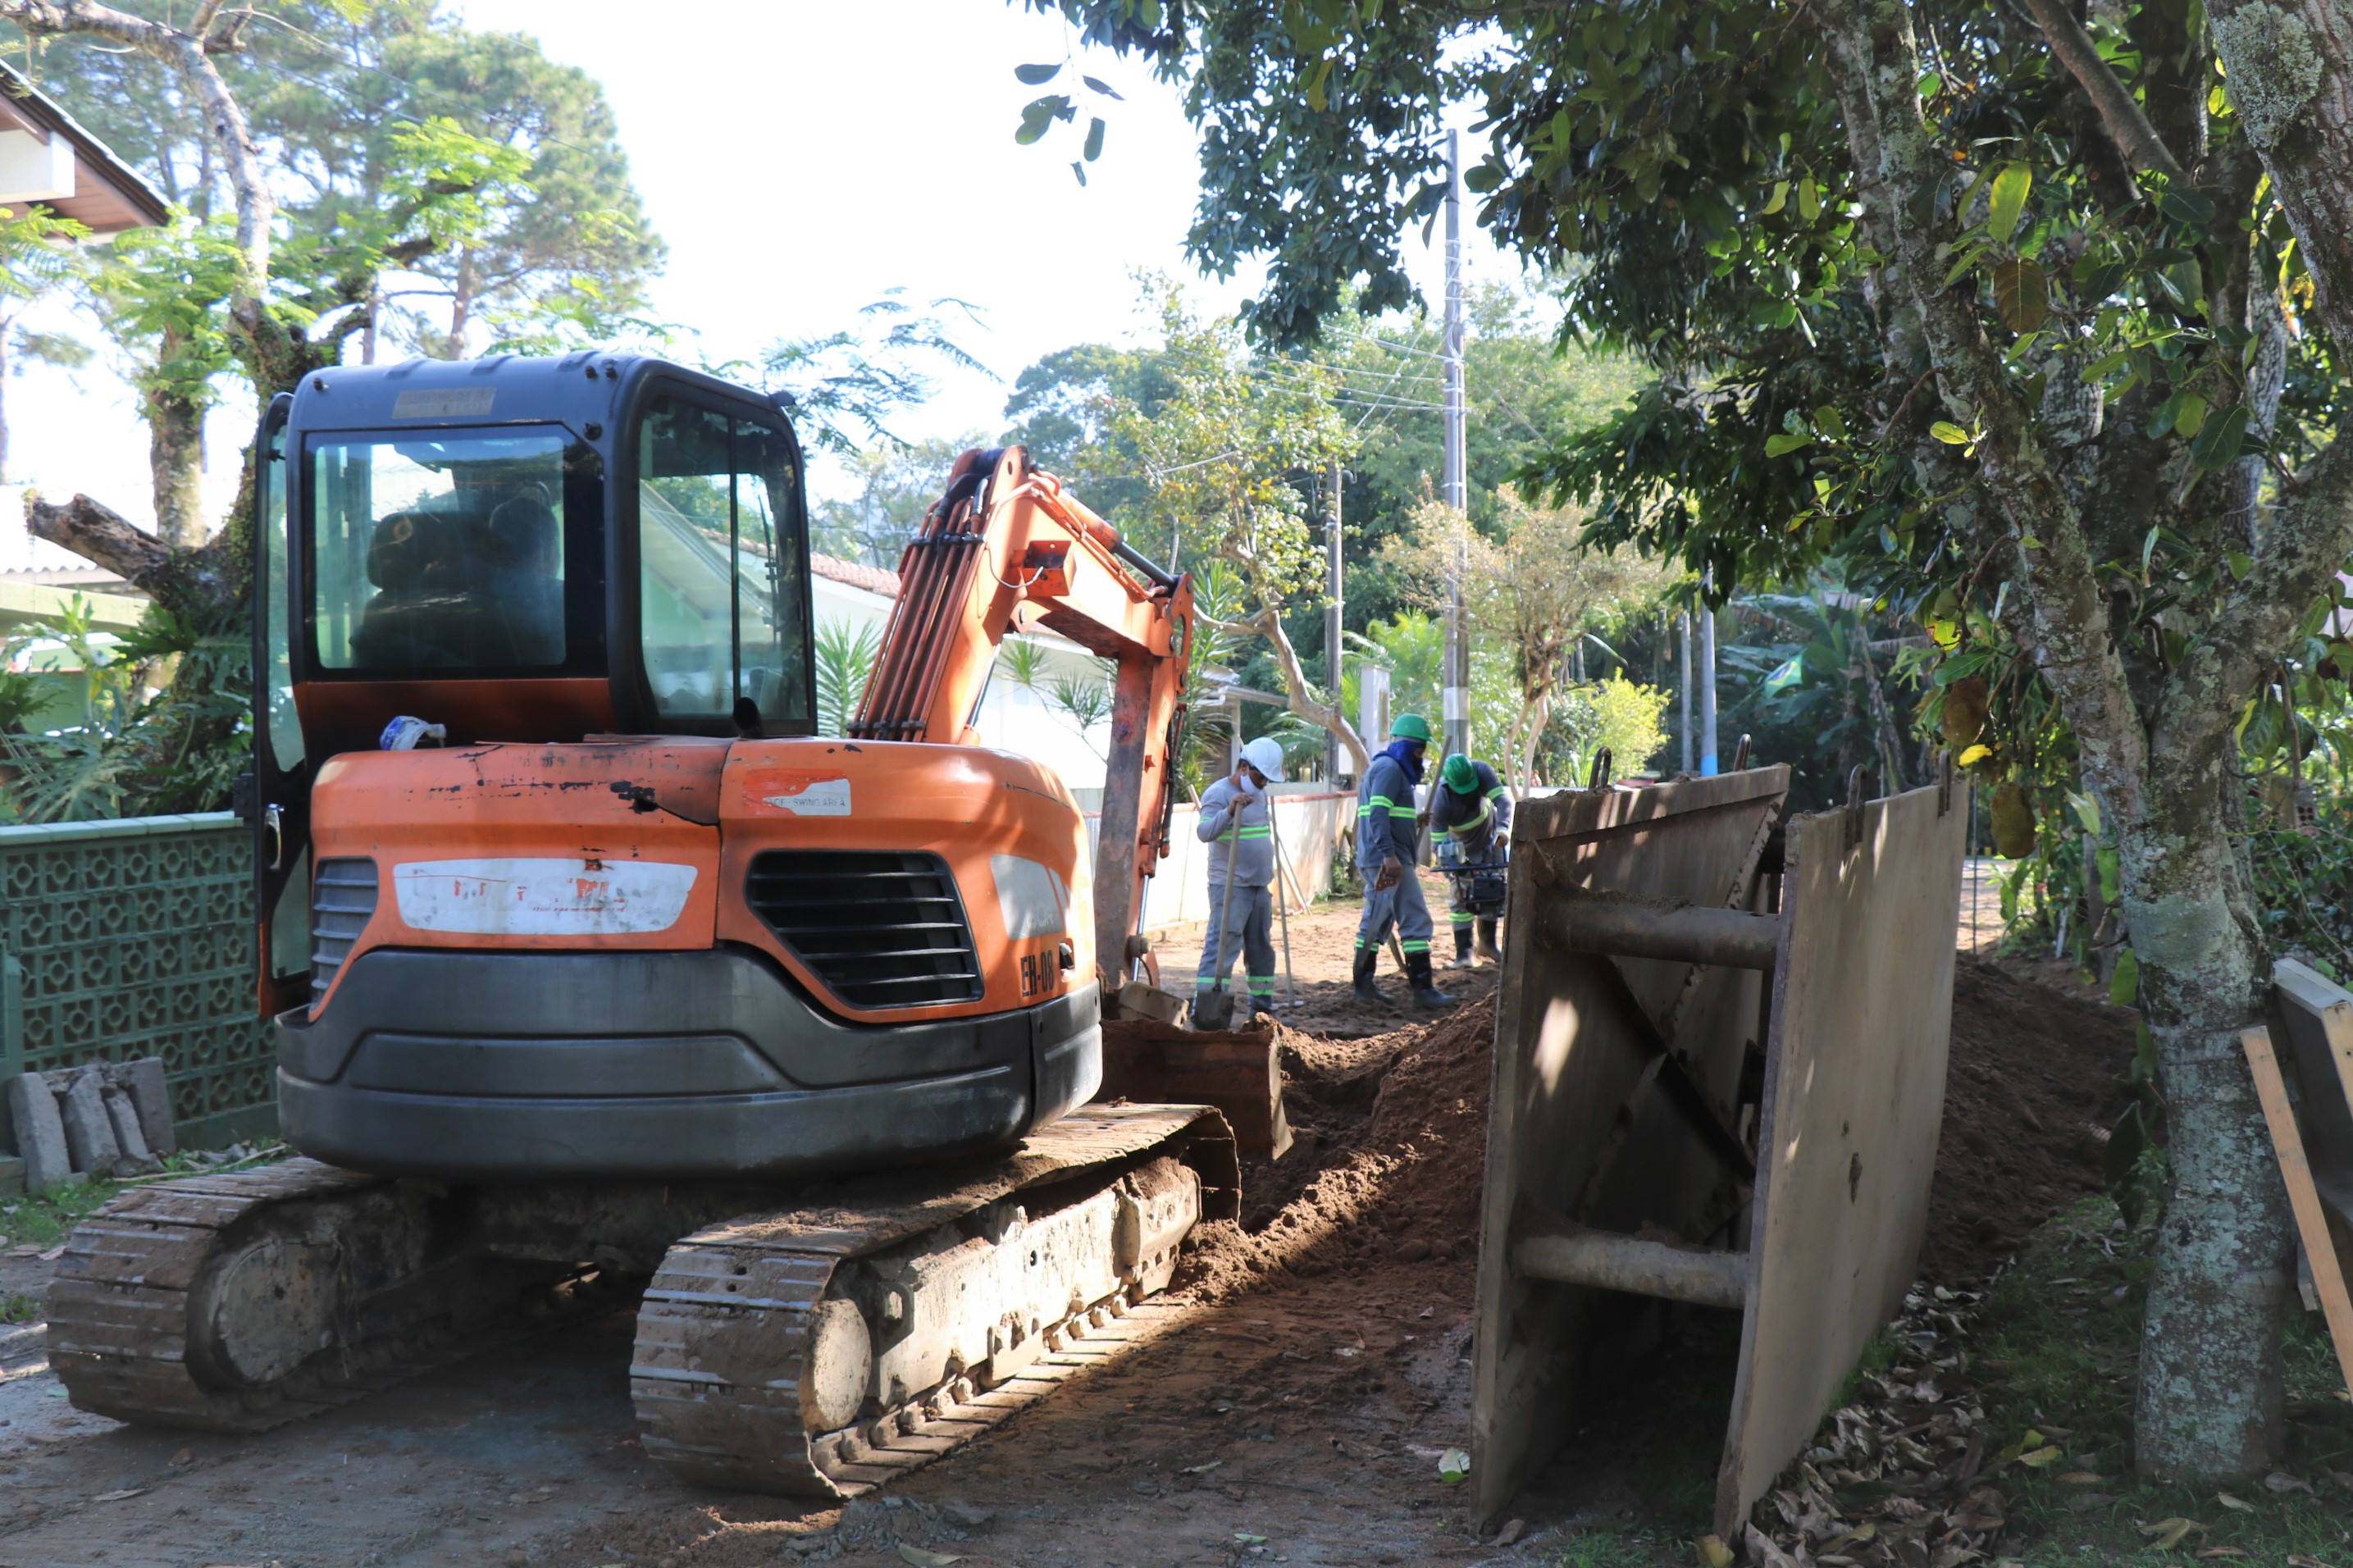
(1388, 841)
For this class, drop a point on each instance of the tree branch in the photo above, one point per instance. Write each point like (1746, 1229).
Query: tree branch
(2130, 129)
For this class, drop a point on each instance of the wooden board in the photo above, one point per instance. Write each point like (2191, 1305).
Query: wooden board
(2312, 1028)
(1577, 1125)
(2321, 1244)
(1854, 1095)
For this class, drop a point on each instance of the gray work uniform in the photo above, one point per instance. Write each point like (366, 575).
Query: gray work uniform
(1386, 829)
(1241, 846)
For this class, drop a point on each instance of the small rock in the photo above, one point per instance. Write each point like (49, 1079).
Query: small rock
(1413, 1251)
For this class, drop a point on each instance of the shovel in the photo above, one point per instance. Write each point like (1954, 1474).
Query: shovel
(1214, 1009)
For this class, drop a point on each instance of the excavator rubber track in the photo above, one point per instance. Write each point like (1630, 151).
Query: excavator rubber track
(240, 1302)
(824, 1350)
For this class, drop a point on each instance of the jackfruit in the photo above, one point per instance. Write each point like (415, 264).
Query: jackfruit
(1965, 710)
(2013, 822)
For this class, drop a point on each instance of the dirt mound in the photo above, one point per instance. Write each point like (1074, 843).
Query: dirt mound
(1389, 1144)
(2028, 1099)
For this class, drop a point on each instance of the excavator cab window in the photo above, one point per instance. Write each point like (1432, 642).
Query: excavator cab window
(440, 552)
(721, 595)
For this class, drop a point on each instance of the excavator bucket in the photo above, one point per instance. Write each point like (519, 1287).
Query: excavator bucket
(1719, 1074)
(1238, 1071)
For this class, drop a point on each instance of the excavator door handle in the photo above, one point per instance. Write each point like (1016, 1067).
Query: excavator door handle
(274, 820)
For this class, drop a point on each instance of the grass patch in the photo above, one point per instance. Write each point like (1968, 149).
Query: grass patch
(1611, 1546)
(48, 1219)
(2056, 1349)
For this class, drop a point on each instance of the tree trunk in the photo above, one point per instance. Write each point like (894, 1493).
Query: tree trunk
(2211, 1380)
(175, 462)
(1268, 623)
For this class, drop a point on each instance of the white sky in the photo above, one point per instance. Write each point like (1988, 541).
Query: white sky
(800, 157)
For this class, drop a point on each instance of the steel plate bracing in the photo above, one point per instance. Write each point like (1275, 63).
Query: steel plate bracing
(1719, 1073)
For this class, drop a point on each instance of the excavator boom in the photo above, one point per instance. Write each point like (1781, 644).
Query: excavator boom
(1005, 549)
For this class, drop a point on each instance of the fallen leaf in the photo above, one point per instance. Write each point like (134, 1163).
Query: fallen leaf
(1511, 1533)
(2090, 1501)
(2282, 1482)
(2342, 1479)
(53, 1254)
(184, 1457)
(2241, 1504)
(1453, 1466)
(2047, 1454)
(1713, 1552)
(2297, 1560)
(2079, 1477)
(118, 1497)
(2168, 1533)
(1201, 1469)
(1245, 1539)
(2207, 1553)
(922, 1558)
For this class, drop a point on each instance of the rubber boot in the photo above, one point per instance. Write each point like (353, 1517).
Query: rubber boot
(1461, 948)
(1488, 947)
(1367, 957)
(1426, 992)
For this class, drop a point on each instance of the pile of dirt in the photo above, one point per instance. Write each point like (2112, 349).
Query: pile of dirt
(2030, 1093)
(1389, 1146)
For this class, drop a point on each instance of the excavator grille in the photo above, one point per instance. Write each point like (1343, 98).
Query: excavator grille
(880, 927)
(342, 897)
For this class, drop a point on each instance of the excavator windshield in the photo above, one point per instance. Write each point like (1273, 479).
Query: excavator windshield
(440, 553)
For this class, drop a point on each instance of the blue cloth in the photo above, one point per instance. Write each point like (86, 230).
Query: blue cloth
(1400, 751)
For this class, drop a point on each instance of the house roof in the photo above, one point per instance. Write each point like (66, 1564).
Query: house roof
(873, 579)
(46, 156)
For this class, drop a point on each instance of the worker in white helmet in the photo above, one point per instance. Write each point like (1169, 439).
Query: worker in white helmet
(1237, 828)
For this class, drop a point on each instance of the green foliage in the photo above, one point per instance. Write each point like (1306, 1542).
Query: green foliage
(1628, 720)
(849, 383)
(1801, 678)
(896, 485)
(846, 652)
(132, 750)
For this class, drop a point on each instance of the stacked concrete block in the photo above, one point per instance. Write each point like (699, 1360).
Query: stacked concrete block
(109, 1119)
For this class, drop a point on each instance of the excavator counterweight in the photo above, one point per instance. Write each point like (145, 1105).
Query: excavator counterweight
(633, 977)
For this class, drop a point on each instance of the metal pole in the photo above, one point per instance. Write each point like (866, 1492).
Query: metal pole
(1332, 668)
(1683, 651)
(1456, 493)
(1706, 672)
(1281, 897)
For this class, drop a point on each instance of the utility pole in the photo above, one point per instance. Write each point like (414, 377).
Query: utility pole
(1684, 652)
(1332, 630)
(1456, 492)
(1707, 762)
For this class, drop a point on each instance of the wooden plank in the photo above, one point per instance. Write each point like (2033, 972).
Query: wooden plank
(1854, 1095)
(2296, 1171)
(1576, 1127)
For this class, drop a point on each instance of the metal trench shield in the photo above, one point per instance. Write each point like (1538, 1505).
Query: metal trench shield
(1618, 1079)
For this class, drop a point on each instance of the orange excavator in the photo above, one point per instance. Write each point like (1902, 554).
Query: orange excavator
(588, 960)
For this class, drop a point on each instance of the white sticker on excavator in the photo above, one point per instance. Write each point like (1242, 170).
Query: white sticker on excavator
(541, 897)
(821, 798)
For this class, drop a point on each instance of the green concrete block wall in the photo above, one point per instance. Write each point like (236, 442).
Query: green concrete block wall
(133, 938)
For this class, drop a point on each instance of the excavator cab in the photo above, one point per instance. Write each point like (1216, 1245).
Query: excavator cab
(516, 549)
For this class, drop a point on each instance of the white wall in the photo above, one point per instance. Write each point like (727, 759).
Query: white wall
(1308, 823)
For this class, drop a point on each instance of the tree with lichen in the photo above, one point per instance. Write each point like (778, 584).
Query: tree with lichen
(2033, 321)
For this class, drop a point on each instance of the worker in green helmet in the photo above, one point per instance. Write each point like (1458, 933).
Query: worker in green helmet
(1470, 812)
(1387, 836)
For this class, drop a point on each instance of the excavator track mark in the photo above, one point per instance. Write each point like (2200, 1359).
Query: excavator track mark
(728, 1375)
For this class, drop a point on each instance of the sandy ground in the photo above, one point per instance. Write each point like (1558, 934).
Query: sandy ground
(1291, 1409)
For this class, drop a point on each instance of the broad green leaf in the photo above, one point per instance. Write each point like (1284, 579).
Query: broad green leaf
(1038, 114)
(2086, 810)
(2124, 984)
(1950, 434)
(1809, 199)
(1964, 261)
(2106, 365)
(2240, 565)
(1037, 74)
(2021, 292)
(2218, 445)
(1829, 421)
(1315, 81)
(2111, 866)
(1973, 756)
(1096, 84)
(1931, 84)
(2186, 206)
(2188, 413)
(1094, 140)
(1779, 198)
(1786, 442)
(2007, 200)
